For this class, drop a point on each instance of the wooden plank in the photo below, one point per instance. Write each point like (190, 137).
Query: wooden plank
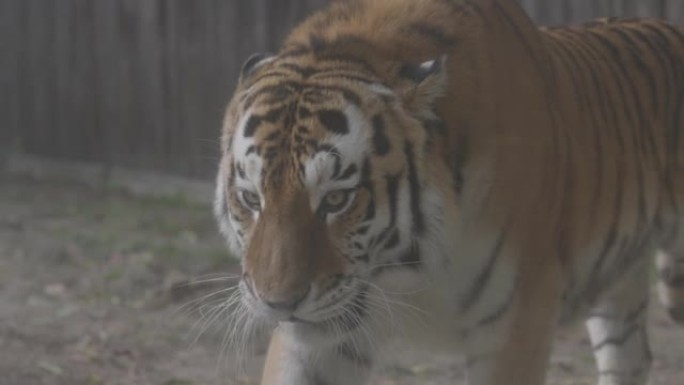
(134, 136)
(38, 112)
(191, 100)
(81, 105)
(173, 90)
(674, 10)
(150, 51)
(205, 149)
(108, 87)
(11, 14)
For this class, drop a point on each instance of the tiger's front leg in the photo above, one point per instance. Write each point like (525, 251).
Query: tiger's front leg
(290, 362)
(511, 344)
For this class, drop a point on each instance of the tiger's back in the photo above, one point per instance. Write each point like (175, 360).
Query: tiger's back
(621, 83)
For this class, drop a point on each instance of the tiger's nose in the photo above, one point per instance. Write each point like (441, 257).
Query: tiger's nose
(289, 303)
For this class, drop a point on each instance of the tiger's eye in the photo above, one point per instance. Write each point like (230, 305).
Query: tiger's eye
(251, 200)
(335, 201)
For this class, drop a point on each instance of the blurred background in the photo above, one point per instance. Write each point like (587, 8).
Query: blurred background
(143, 83)
(110, 262)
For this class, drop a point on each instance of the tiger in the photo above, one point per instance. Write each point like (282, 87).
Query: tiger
(446, 174)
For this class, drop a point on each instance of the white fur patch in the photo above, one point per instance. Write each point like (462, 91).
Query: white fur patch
(227, 225)
(251, 163)
(351, 148)
(381, 89)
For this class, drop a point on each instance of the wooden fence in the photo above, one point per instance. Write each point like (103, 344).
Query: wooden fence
(133, 83)
(143, 83)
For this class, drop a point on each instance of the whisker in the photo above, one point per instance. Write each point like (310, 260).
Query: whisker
(206, 297)
(391, 264)
(202, 280)
(216, 312)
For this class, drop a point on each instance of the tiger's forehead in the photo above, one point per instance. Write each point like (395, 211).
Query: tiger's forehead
(296, 140)
(306, 121)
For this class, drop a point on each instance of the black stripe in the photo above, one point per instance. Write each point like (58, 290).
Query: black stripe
(240, 171)
(392, 196)
(337, 166)
(411, 257)
(268, 75)
(483, 277)
(335, 121)
(497, 314)
(393, 240)
(634, 122)
(627, 319)
(601, 62)
(646, 130)
(617, 61)
(252, 124)
(589, 58)
(289, 88)
(415, 190)
(368, 185)
(626, 36)
(458, 160)
(571, 60)
(392, 189)
(617, 206)
(303, 113)
(252, 149)
(656, 51)
(619, 339)
(350, 171)
(304, 72)
(231, 177)
(370, 209)
(336, 72)
(380, 141)
(281, 90)
(349, 95)
(678, 34)
(362, 230)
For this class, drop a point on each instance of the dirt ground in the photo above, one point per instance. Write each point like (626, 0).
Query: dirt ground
(91, 282)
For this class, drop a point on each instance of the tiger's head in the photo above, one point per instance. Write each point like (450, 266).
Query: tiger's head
(320, 183)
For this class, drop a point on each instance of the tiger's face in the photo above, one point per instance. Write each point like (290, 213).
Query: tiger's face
(319, 190)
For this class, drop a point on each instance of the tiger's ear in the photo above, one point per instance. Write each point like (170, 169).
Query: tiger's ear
(423, 83)
(253, 62)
